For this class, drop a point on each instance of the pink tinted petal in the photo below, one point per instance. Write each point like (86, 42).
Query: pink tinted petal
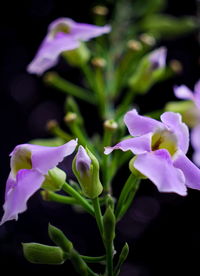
(196, 157)
(197, 94)
(83, 161)
(137, 145)
(158, 57)
(183, 92)
(49, 51)
(139, 125)
(173, 122)
(191, 172)
(46, 158)
(85, 32)
(158, 167)
(195, 137)
(27, 183)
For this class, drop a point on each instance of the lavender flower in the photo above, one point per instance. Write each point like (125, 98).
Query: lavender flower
(160, 149)
(158, 58)
(64, 34)
(193, 113)
(29, 165)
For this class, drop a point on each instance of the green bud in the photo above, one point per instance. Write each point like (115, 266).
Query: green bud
(58, 237)
(135, 171)
(109, 222)
(54, 180)
(86, 168)
(78, 56)
(43, 254)
(122, 257)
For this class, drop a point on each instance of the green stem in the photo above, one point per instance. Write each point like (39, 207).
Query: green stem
(51, 196)
(67, 87)
(125, 104)
(98, 214)
(83, 202)
(89, 259)
(109, 258)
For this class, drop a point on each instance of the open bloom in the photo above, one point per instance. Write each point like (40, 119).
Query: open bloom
(160, 149)
(64, 34)
(192, 115)
(29, 165)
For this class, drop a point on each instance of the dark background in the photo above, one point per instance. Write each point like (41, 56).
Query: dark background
(163, 230)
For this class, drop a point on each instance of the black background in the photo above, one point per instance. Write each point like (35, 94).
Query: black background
(163, 230)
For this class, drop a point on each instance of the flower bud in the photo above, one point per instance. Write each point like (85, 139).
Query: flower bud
(110, 125)
(43, 254)
(70, 117)
(58, 237)
(100, 10)
(109, 222)
(134, 45)
(77, 57)
(147, 39)
(98, 62)
(86, 168)
(134, 171)
(54, 180)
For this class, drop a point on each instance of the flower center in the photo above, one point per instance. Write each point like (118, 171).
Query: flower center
(61, 28)
(21, 160)
(164, 140)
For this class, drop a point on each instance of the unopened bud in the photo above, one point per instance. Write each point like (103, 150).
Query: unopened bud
(99, 62)
(110, 125)
(176, 66)
(52, 124)
(100, 10)
(43, 254)
(70, 117)
(54, 180)
(109, 222)
(86, 168)
(58, 237)
(134, 170)
(134, 45)
(147, 39)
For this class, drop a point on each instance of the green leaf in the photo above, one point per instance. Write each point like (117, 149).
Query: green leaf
(166, 26)
(49, 142)
(43, 254)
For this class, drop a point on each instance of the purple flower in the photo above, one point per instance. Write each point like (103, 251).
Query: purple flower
(158, 58)
(160, 149)
(83, 161)
(183, 92)
(64, 34)
(29, 165)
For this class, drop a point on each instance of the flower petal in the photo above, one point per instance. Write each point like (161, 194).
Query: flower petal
(195, 137)
(158, 57)
(158, 167)
(83, 161)
(139, 125)
(191, 172)
(197, 94)
(79, 31)
(49, 51)
(137, 145)
(27, 183)
(183, 92)
(45, 158)
(173, 122)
